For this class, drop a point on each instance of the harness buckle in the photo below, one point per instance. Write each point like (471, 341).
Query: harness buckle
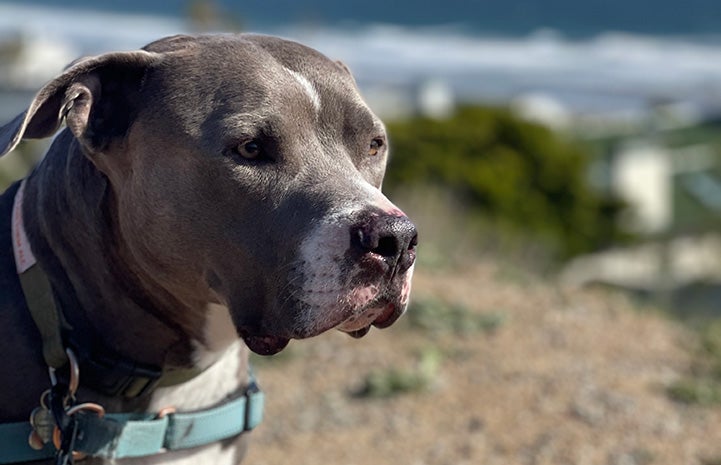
(61, 398)
(114, 376)
(58, 434)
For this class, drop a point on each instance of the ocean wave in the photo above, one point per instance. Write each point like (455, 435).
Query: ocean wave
(612, 69)
(617, 65)
(87, 31)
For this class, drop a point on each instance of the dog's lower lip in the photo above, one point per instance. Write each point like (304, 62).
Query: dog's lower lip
(383, 321)
(386, 318)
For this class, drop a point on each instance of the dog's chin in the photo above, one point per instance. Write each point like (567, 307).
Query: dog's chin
(381, 313)
(266, 345)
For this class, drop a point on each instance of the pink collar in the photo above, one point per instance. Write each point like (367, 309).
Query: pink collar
(24, 257)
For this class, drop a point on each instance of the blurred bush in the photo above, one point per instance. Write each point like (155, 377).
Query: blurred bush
(20, 161)
(703, 384)
(394, 381)
(520, 175)
(437, 315)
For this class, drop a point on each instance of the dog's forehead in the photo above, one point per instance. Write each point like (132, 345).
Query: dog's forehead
(244, 60)
(245, 77)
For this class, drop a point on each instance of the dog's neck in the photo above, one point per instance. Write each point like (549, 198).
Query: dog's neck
(72, 228)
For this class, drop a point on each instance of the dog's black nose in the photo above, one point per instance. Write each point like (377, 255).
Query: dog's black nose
(393, 238)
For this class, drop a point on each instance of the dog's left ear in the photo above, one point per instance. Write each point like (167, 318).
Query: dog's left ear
(96, 97)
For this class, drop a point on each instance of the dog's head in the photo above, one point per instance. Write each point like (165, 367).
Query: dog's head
(246, 171)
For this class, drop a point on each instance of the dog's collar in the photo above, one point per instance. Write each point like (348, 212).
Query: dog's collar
(125, 435)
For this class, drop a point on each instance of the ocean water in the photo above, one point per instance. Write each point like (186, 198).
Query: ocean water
(578, 19)
(588, 62)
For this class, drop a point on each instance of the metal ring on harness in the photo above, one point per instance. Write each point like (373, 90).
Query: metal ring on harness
(58, 435)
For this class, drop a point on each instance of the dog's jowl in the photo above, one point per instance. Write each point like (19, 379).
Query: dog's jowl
(209, 195)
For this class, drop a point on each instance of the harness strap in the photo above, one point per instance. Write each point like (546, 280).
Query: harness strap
(36, 287)
(104, 370)
(122, 435)
(39, 297)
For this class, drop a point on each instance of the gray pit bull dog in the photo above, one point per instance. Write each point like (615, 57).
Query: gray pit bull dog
(210, 194)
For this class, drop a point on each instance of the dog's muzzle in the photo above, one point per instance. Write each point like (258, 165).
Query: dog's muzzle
(387, 248)
(355, 276)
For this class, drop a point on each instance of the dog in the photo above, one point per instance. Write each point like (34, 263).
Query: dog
(209, 196)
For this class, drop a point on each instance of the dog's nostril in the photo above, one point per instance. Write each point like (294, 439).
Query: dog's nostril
(367, 241)
(387, 247)
(390, 237)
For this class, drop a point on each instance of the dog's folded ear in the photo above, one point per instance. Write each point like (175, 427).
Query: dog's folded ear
(96, 96)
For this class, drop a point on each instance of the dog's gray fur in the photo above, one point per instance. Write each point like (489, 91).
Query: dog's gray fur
(158, 232)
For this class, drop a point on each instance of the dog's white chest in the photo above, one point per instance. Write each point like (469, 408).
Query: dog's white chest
(214, 385)
(210, 387)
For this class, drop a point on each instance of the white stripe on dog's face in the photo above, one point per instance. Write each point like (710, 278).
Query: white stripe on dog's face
(308, 88)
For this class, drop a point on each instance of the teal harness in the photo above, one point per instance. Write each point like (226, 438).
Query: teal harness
(63, 429)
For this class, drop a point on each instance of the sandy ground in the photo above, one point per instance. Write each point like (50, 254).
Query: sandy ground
(568, 378)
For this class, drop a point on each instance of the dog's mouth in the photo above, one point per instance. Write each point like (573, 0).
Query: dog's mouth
(356, 326)
(379, 316)
(364, 308)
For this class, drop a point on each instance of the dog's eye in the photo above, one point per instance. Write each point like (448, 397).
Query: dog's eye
(375, 146)
(249, 149)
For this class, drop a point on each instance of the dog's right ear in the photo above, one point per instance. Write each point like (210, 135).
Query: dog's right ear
(75, 94)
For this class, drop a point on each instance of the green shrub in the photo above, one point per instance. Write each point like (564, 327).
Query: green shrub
(696, 391)
(519, 174)
(703, 384)
(394, 381)
(439, 316)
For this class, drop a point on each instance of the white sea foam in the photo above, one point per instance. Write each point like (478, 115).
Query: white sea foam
(610, 71)
(89, 31)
